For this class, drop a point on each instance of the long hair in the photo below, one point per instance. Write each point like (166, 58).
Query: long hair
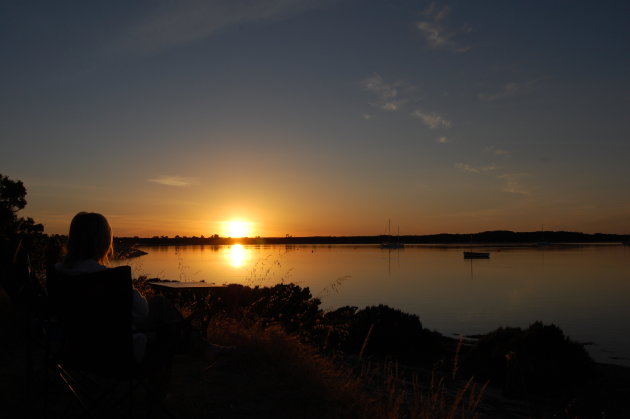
(90, 237)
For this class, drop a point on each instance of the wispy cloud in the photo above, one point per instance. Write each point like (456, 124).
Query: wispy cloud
(432, 119)
(475, 169)
(435, 31)
(499, 151)
(393, 105)
(512, 183)
(178, 181)
(173, 23)
(376, 84)
(512, 89)
(387, 94)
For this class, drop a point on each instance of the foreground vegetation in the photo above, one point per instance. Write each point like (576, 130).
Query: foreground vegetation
(385, 359)
(283, 357)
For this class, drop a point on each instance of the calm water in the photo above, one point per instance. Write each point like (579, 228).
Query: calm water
(585, 290)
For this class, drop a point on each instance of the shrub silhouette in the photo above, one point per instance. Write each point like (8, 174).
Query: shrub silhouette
(392, 334)
(540, 360)
(290, 305)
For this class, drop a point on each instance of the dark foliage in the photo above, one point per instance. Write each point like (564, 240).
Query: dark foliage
(290, 305)
(539, 360)
(392, 334)
(22, 242)
(335, 328)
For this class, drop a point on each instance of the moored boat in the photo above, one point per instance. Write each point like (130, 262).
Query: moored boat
(476, 255)
(392, 245)
(389, 243)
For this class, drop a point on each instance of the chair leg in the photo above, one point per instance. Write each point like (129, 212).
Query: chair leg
(71, 385)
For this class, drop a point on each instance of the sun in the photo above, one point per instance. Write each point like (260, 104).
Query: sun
(237, 228)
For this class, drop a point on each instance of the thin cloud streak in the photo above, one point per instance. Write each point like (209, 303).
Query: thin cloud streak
(175, 23)
(387, 93)
(434, 30)
(499, 151)
(511, 89)
(377, 85)
(475, 169)
(432, 119)
(177, 181)
(512, 183)
(393, 105)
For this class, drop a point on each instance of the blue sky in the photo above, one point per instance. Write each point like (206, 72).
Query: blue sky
(319, 117)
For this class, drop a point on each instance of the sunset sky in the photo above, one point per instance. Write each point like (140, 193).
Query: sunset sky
(319, 117)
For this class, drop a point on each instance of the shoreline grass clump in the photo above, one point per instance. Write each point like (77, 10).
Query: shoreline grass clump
(267, 373)
(264, 372)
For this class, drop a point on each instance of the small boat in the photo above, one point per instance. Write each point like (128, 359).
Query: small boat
(476, 255)
(390, 244)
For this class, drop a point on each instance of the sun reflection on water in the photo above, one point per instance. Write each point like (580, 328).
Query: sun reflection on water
(236, 255)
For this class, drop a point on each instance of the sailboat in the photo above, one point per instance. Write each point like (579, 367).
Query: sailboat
(389, 244)
(475, 255)
(542, 234)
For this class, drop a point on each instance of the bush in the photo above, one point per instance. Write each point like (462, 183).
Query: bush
(385, 332)
(540, 360)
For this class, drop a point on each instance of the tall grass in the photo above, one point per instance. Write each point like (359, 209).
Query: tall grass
(413, 395)
(270, 373)
(268, 271)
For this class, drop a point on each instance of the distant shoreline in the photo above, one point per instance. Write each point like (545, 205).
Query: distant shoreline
(489, 238)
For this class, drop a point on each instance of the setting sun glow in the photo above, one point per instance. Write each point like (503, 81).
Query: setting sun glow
(237, 228)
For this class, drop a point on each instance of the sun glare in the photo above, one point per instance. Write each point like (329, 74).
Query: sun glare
(237, 228)
(236, 255)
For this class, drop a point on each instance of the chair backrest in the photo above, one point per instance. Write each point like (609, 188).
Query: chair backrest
(94, 312)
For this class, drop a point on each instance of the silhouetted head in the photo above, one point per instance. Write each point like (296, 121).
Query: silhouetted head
(90, 237)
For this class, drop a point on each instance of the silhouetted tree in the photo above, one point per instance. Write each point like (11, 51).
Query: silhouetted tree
(19, 236)
(12, 199)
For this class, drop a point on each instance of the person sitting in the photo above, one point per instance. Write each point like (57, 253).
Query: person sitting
(156, 323)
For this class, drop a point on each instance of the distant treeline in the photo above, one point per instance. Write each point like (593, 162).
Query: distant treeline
(486, 237)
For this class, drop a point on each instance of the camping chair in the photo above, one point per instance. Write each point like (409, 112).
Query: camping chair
(95, 355)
